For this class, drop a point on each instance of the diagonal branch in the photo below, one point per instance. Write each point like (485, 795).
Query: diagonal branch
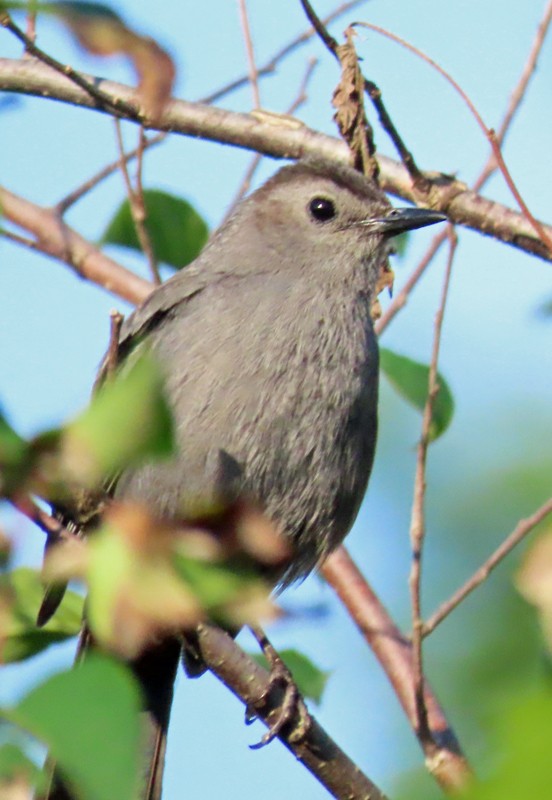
(444, 758)
(56, 239)
(251, 684)
(284, 138)
(313, 747)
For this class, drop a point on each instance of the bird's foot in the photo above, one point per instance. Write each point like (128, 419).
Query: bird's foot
(291, 709)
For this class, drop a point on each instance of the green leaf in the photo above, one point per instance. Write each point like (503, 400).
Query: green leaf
(231, 593)
(14, 457)
(310, 679)
(21, 593)
(14, 766)
(400, 244)
(522, 736)
(128, 420)
(13, 448)
(411, 380)
(213, 584)
(176, 230)
(88, 719)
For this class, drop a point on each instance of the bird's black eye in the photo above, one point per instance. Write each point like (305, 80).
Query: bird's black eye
(322, 209)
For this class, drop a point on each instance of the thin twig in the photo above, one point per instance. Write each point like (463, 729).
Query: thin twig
(142, 212)
(515, 191)
(374, 93)
(417, 526)
(14, 237)
(252, 69)
(521, 530)
(257, 158)
(112, 358)
(100, 98)
(55, 531)
(31, 26)
(518, 93)
(136, 200)
(270, 66)
(488, 132)
(400, 300)
(321, 30)
(78, 193)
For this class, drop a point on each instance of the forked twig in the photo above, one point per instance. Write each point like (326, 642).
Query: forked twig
(489, 132)
(136, 200)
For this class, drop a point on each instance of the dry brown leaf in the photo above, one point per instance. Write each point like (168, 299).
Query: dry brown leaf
(534, 581)
(348, 100)
(102, 32)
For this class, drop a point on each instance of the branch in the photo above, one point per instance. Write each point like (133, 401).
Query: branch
(269, 67)
(284, 138)
(250, 683)
(444, 758)
(400, 300)
(56, 239)
(518, 92)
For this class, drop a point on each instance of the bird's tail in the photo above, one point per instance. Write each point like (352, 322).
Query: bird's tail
(155, 670)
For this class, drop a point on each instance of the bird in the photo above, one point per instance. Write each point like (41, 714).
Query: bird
(270, 360)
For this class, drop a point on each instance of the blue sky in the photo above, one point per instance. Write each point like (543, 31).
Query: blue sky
(495, 350)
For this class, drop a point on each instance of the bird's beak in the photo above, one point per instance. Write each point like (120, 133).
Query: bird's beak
(399, 220)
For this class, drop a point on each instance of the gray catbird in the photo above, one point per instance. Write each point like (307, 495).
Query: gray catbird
(271, 360)
(271, 365)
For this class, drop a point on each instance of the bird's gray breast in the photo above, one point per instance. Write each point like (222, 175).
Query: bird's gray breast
(273, 386)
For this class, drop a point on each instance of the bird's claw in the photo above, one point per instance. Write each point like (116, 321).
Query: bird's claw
(292, 708)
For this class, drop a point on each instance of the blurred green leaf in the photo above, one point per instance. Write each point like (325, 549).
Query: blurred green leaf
(411, 379)
(523, 733)
(134, 592)
(128, 420)
(14, 457)
(310, 679)
(400, 244)
(66, 8)
(88, 719)
(21, 593)
(176, 230)
(16, 766)
(231, 593)
(13, 448)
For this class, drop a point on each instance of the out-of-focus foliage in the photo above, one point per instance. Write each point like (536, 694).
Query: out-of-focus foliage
(21, 593)
(68, 712)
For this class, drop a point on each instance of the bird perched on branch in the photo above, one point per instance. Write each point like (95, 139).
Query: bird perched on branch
(271, 366)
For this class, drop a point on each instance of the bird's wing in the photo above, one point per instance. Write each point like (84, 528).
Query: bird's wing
(174, 292)
(162, 301)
